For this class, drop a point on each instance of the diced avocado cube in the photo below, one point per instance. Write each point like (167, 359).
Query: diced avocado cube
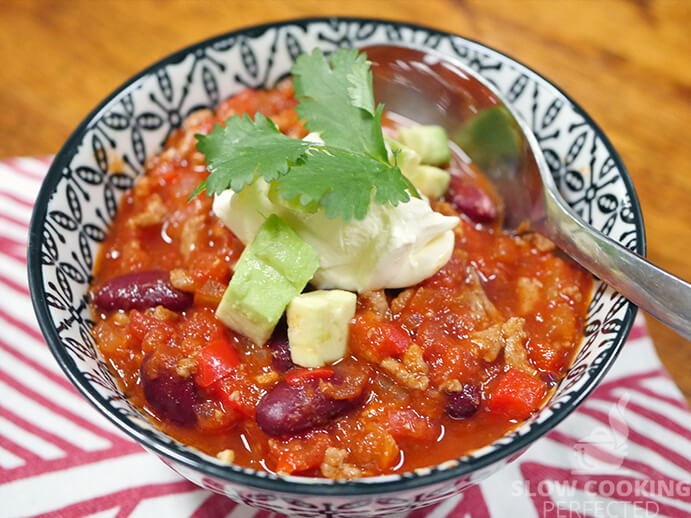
(281, 248)
(318, 324)
(429, 180)
(491, 137)
(255, 299)
(430, 142)
(403, 156)
(273, 269)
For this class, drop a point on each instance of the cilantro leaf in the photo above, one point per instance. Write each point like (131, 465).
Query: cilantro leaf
(338, 100)
(344, 175)
(360, 91)
(243, 150)
(343, 183)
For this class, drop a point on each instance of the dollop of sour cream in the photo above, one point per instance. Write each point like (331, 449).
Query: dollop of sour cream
(392, 247)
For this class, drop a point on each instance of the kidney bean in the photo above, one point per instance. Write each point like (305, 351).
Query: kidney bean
(468, 198)
(290, 410)
(280, 351)
(171, 396)
(141, 290)
(464, 404)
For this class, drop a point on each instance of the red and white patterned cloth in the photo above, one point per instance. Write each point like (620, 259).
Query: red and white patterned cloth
(625, 452)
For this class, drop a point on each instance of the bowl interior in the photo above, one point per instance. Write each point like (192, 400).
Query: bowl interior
(102, 159)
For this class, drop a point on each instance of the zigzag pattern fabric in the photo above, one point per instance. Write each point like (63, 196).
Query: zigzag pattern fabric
(625, 452)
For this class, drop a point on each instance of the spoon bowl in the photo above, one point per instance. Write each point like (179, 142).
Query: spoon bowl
(432, 89)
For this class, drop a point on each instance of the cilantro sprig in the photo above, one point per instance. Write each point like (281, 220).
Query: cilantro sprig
(338, 101)
(244, 149)
(344, 174)
(347, 193)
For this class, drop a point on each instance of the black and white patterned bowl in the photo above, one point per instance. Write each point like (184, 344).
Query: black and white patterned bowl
(79, 199)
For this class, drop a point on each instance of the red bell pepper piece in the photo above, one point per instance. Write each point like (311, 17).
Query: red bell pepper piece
(371, 336)
(408, 424)
(233, 399)
(396, 339)
(299, 376)
(517, 395)
(215, 362)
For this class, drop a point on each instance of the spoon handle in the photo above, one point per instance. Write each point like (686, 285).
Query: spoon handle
(666, 297)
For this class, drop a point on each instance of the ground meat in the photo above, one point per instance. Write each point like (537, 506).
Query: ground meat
(509, 336)
(411, 371)
(190, 234)
(528, 291)
(375, 301)
(227, 456)
(121, 319)
(195, 120)
(413, 360)
(384, 384)
(539, 242)
(335, 467)
(523, 228)
(515, 336)
(266, 378)
(573, 293)
(476, 298)
(181, 280)
(399, 303)
(451, 385)
(144, 185)
(186, 367)
(162, 313)
(489, 341)
(299, 453)
(154, 213)
(371, 447)
(210, 293)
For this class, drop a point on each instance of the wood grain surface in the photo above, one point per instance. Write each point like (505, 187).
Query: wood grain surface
(627, 62)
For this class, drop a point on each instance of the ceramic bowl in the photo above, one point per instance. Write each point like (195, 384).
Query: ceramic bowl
(79, 198)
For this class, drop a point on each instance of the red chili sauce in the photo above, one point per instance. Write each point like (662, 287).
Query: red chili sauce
(433, 371)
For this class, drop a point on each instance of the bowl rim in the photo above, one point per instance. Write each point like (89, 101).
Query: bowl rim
(170, 451)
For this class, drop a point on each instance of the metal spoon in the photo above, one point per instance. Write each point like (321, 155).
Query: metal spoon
(430, 89)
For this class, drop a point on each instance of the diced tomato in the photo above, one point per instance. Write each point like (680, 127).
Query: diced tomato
(140, 324)
(210, 294)
(215, 361)
(362, 327)
(371, 444)
(548, 358)
(396, 339)
(300, 453)
(233, 399)
(370, 335)
(211, 419)
(517, 395)
(408, 424)
(173, 176)
(299, 376)
(206, 266)
(245, 101)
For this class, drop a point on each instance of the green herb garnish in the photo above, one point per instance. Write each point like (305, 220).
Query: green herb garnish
(338, 101)
(335, 99)
(244, 149)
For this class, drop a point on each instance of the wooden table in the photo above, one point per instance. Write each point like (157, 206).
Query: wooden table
(627, 62)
